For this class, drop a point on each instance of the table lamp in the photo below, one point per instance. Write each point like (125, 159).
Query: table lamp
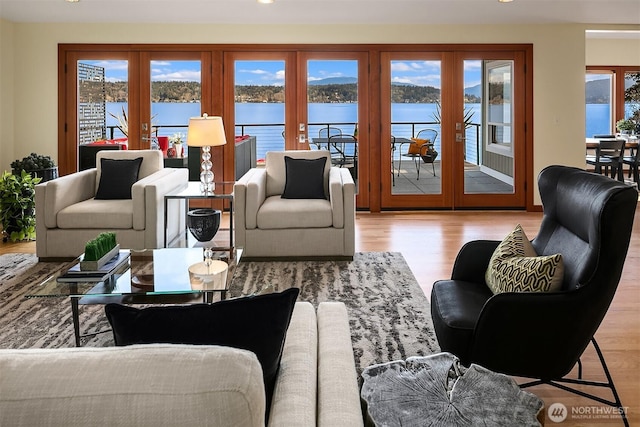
(206, 132)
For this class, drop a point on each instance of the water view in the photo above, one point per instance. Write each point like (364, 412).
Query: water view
(265, 120)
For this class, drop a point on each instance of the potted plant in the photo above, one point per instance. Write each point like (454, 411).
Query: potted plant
(176, 140)
(17, 206)
(37, 165)
(626, 126)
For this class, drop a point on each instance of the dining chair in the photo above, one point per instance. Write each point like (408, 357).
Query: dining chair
(417, 150)
(633, 160)
(608, 156)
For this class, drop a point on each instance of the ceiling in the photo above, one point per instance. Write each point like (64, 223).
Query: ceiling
(324, 11)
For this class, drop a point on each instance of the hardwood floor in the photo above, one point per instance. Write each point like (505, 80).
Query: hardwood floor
(429, 241)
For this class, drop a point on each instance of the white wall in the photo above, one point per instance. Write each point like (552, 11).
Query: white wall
(558, 71)
(611, 51)
(6, 94)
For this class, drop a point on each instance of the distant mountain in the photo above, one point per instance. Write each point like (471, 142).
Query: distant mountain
(333, 81)
(474, 90)
(598, 91)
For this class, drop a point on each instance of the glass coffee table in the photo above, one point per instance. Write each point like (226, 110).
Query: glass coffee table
(155, 276)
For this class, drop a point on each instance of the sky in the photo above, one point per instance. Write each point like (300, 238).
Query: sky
(420, 73)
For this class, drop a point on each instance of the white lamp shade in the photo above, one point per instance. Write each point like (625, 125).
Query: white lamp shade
(206, 131)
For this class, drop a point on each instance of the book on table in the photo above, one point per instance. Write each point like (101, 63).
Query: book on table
(76, 274)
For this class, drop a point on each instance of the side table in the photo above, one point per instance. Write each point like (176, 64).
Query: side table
(222, 191)
(437, 391)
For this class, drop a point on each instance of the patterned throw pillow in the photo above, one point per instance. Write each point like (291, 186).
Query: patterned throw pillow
(515, 267)
(416, 145)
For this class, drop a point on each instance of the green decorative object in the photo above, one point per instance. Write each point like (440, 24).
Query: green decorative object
(626, 125)
(37, 165)
(100, 246)
(17, 206)
(99, 251)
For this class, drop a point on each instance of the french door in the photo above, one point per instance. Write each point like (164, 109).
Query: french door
(470, 108)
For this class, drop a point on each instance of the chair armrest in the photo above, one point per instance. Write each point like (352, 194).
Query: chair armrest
(472, 260)
(341, 195)
(156, 186)
(252, 192)
(55, 195)
(294, 399)
(338, 394)
(148, 206)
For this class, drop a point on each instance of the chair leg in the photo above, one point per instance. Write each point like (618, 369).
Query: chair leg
(559, 383)
(417, 163)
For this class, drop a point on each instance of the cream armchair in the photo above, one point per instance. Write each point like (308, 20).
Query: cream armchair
(68, 214)
(268, 225)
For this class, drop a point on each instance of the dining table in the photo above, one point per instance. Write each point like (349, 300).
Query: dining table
(631, 143)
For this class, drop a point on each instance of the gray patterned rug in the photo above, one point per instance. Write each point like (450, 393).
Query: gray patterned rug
(388, 312)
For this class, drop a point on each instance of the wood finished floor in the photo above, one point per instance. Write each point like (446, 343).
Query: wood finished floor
(429, 241)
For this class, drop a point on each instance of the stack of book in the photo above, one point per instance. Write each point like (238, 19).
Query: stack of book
(78, 274)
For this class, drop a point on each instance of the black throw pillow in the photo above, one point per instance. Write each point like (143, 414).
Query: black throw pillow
(117, 177)
(255, 323)
(304, 178)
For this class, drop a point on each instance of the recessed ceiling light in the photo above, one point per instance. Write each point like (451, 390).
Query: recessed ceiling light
(505, 1)
(72, 1)
(266, 1)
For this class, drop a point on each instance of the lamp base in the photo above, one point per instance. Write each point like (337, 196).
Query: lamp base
(208, 276)
(206, 172)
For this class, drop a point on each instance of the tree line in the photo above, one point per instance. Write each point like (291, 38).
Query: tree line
(172, 91)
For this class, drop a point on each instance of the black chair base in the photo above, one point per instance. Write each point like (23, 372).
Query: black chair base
(560, 383)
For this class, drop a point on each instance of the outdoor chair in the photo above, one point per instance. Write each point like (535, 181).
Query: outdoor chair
(588, 219)
(344, 152)
(418, 150)
(608, 158)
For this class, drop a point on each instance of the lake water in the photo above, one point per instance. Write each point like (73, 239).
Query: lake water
(266, 120)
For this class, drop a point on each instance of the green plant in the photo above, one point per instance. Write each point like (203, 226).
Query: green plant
(100, 246)
(32, 163)
(625, 125)
(467, 113)
(17, 206)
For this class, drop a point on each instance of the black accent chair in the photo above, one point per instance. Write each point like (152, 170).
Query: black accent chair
(587, 218)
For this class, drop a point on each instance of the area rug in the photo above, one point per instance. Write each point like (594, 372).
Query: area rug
(389, 314)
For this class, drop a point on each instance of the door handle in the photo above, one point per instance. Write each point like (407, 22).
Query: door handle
(460, 137)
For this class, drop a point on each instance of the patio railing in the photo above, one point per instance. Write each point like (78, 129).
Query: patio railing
(270, 136)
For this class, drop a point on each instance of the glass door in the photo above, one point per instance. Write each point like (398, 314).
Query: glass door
(333, 112)
(415, 158)
(96, 110)
(258, 93)
(489, 130)
(453, 130)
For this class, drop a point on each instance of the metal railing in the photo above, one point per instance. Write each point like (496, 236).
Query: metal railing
(270, 136)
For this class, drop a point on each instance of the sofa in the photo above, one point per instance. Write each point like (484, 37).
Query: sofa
(176, 384)
(68, 213)
(271, 224)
